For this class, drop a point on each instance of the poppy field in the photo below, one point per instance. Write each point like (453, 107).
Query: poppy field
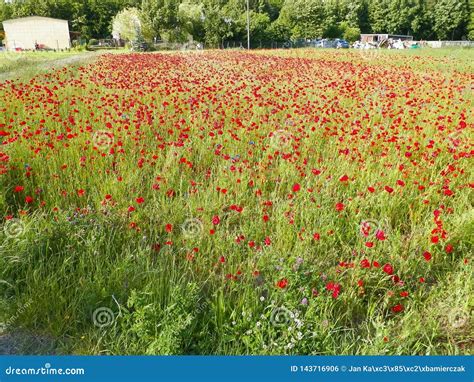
(226, 202)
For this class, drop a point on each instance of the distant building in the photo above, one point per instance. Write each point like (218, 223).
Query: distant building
(36, 32)
(378, 38)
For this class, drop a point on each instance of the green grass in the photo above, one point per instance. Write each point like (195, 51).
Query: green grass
(75, 255)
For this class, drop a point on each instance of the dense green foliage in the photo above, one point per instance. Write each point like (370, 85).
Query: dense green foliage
(215, 21)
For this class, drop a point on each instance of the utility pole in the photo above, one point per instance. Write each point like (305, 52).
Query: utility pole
(248, 26)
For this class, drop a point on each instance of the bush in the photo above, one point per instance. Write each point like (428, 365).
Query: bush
(78, 48)
(349, 33)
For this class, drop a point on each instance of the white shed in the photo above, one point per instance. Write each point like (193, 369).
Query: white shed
(28, 32)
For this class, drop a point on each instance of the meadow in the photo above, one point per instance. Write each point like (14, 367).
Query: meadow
(227, 202)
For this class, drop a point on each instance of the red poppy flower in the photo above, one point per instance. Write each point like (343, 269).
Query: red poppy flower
(389, 189)
(282, 283)
(335, 288)
(169, 227)
(296, 187)
(388, 269)
(140, 200)
(365, 263)
(19, 188)
(380, 235)
(427, 255)
(339, 206)
(29, 200)
(216, 220)
(343, 178)
(397, 308)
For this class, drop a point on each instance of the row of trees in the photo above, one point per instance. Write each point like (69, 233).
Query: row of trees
(214, 21)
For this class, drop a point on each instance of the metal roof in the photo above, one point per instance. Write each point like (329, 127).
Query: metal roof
(31, 18)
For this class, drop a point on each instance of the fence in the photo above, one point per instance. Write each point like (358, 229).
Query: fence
(328, 43)
(449, 44)
(254, 44)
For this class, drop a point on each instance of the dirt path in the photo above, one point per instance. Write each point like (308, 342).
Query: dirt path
(23, 343)
(69, 60)
(43, 66)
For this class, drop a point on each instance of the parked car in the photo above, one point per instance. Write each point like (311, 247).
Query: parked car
(139, 46)
(326, 43)
(340, 43)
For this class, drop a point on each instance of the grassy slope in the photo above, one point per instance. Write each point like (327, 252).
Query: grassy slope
(60, 270)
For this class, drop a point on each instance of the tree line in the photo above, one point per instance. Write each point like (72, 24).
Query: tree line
(216, 21)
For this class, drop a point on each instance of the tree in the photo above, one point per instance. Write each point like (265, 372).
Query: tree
(450, 19)
(259, 23)
(349, 33)
(379, 15)
(305, 17)
(191, 18)
(126, 24)
(215, 26)
(218, 20)
(162, 17)
(470, 27)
